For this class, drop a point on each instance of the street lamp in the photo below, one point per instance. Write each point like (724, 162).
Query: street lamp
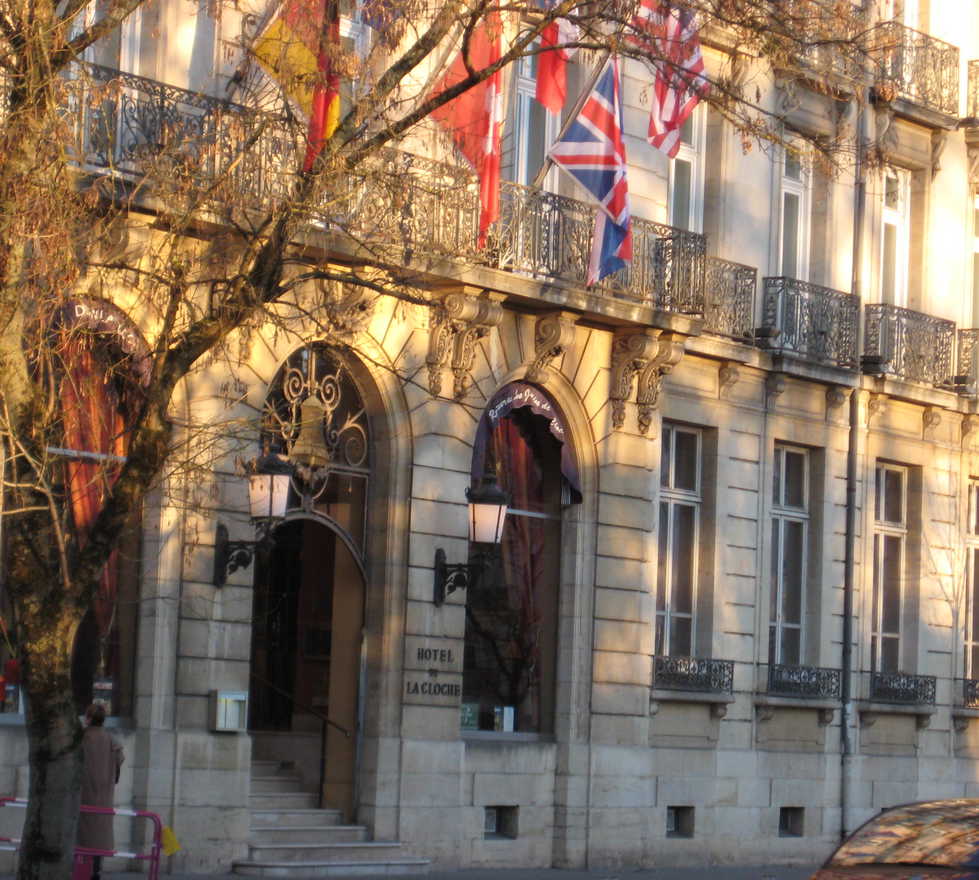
(487, 514)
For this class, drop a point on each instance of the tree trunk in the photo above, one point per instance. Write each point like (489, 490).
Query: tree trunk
(54, 736)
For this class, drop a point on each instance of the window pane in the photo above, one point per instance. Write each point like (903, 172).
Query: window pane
(792, 572)
(889, 654)
(893, 496)
(682, 172)
(891, 585)
(777, 477)
(888, 269)
(795, 479)
(665, 460)
(681, 631)
(974, 596)
(685, 465)
(791, 642)
(686, 132)
(776, 553)
(663, 559)
(892, 192)
(659, 648)
(790, 235)
(684, 518)
(535, 145)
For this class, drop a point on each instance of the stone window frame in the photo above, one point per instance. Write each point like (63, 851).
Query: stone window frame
(883, 529)
(898, 217)
(800, 188)
(691, 152)
(970, 631)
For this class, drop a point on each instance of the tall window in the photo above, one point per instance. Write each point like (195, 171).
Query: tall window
(975, 260)
(794, 216)
(680, 505)
(895, 236)
(531, 130)
(970, 668)
(687, 175)
(890, 537)
(512, 613)
(790, 522)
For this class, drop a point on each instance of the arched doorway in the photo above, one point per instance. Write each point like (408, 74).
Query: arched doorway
(309, 601)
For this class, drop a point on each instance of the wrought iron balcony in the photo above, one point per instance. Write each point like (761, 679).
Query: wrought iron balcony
(399, 206)
(693, 674)
(811, 322)
(916, 66)
(814, 682)
(897, 687)
(972, 101)
(967, 360)
(729, 292)
(970, 693)
(907, 344)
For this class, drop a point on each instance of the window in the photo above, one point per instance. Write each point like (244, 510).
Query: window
(790, 523)
(509, 670)
(687, 175)
(895, 228)
(791, 821)
(679, 520)
(500, 823)
(679, 821)
(971, 641)
(975, 260)
(890, 536)
(532, 129)
(794, 215)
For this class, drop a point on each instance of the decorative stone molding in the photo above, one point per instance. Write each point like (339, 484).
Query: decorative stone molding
(651, 378)
(553, 335)
(786, 96)
(931, 418)
(631, 352)
(887, 137)
(825, 717)
(765, 713)
(774, 386)
(458, 321)
(727, 377)
(972, 149)
(960, 722)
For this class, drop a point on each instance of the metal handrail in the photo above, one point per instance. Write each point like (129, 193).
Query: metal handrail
(291, 697)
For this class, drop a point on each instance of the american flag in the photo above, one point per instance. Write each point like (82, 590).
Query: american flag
(670, 36)
(593, 153)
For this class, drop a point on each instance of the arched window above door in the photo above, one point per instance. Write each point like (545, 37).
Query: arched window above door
(320, 372)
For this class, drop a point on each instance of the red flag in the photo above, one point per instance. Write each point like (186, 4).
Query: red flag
(475, 118)
(552, 77)
(671, 36)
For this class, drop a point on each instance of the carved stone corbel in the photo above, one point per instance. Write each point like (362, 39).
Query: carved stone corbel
(765, 713)
(631, 352)
(825, 717)
(835, 398)
(348, 307)
(886, 134)
(553, 335)
(774, 386)
(727, 377)
(960, 723)
(718, 710)
(875, 405)
(931, 418)
(651, 378)
(787, 96)
(972, 151)
(969, 424)
(459, 320)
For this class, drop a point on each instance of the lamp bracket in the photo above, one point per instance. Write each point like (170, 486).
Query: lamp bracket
(449, 578)
(229, 555)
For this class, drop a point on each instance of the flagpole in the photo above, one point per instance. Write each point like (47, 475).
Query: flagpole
(571, 117)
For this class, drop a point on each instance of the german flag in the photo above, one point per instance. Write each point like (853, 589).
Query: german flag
(299, 50)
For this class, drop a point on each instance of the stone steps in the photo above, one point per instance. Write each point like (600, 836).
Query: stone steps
(290, 837)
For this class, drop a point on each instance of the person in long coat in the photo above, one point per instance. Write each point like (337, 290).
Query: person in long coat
(102, 757)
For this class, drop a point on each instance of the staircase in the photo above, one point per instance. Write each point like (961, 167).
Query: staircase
(290, 837)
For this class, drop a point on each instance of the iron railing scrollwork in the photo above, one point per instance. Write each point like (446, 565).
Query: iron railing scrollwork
(967, 360)
(729, 298)
(693, 674)
(916, 66)
(970, 693)
(908, 344)
(898, 687)
(811, 322)
(813, 682)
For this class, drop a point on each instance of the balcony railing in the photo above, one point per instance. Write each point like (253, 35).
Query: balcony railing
(897, 687)
(693, 674)
(729, 307)
(813, 682)
(972, 101)
(908, 344)
(967, 360)
(397, 205)
(970, 693)
(917, 67)
(811, 322)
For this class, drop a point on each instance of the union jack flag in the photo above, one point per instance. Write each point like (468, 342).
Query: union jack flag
(670, 36)
(593, 153)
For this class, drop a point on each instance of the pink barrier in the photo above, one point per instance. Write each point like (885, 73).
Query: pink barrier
(83, 855)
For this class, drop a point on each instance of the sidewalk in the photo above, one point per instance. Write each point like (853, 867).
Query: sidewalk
(711, 872)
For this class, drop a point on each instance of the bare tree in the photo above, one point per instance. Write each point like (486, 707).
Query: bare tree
(179, 216)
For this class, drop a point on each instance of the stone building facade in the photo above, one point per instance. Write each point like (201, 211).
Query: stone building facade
(735, 610)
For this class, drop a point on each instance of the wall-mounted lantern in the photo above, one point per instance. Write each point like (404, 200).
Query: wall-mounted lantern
(487, 514)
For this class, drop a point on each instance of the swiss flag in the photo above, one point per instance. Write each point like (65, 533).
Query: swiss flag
(475, 118)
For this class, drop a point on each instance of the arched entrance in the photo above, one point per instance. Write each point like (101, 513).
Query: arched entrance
(309, 604)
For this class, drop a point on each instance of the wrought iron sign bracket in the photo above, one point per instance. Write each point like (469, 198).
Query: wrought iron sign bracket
(452, 577)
